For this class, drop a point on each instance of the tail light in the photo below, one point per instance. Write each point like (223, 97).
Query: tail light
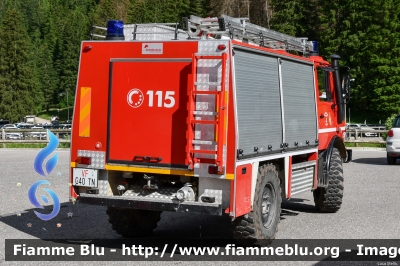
(390, 133)
(221, 47)
(83, 160)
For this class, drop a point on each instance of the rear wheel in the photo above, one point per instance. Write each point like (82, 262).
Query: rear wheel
(391, 160)
(133, 223)
(261, 224)
(329, 199)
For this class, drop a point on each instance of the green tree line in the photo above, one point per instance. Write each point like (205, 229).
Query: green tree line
(40, 42)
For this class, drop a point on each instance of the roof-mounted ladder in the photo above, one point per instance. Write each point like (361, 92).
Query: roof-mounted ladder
(241, 29)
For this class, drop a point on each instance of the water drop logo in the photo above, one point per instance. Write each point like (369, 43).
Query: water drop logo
(35, 202)
(50, 165)
(42, 155)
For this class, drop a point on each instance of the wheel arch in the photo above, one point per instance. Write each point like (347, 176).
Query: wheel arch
(337, 143)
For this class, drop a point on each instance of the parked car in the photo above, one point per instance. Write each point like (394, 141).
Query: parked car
(12, 135)
(393, 142)
(24, 125)
(39, 134)
(352, 127)
(9, 126)
(15, 136)
(368, 134)
(377, 126)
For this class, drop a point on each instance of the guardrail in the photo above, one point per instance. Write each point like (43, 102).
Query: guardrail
(36, 135)
(359, 136)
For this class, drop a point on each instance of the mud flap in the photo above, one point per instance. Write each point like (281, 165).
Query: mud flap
(349, 155)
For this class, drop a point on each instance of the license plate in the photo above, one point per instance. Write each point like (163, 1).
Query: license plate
(85, 177)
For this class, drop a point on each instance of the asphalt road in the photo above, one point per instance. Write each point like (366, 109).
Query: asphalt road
(370, 208)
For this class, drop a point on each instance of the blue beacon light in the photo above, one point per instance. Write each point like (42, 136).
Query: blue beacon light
(315, 48)
(115, 30)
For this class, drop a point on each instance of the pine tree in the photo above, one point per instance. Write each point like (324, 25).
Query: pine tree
(68, 49)
(294, 17)
(110, 9)
(366, 34)
(16, 84)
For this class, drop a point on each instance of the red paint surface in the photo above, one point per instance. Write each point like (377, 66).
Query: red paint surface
(243, 190)
(155, 131)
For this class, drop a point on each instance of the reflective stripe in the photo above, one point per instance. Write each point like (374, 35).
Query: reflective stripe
(331, 129)
(84, 112)
(274, 156)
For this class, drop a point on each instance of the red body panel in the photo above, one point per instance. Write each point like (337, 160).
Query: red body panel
(243, 191)
(154, 124)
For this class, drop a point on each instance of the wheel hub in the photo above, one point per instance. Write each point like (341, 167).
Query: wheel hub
(268, 201)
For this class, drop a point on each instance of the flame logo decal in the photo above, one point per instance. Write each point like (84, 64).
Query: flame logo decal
(41, 156)
(35, 202)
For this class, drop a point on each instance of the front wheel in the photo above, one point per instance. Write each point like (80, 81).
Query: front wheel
(329, 199)
(259, 227)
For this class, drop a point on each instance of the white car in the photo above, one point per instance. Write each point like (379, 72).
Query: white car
(393, 142)
(368, 134)
(12, 135)
(352, 127)
(39, 134)
(10, 126)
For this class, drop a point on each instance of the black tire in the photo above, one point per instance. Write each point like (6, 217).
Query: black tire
(131, 222)
(259, 227)
(391, 160)
(329, 199)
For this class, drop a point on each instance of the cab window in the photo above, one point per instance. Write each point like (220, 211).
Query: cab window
(324, 85)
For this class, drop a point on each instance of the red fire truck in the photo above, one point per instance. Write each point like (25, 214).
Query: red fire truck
(219, 117)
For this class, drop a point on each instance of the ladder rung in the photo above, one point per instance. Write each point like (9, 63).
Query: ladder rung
(208, 83)
(204, 113)
(203, 151)
(205, 122)
(204, 142)
(206, 92)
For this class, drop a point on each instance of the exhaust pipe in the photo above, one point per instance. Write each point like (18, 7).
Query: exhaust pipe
(338, 89)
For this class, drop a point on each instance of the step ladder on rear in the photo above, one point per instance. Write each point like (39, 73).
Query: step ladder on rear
(207, 105)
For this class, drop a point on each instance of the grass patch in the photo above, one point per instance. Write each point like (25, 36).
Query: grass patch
(370, 145)
(33, 145)
(25, 145)
(63, 114)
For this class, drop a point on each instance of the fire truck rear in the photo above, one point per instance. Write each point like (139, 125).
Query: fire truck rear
(220, 117)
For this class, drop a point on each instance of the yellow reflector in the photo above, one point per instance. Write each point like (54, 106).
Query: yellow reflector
(84, 112)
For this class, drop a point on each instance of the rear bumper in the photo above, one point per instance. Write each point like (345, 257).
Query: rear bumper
(172, 205)
(393, 148)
